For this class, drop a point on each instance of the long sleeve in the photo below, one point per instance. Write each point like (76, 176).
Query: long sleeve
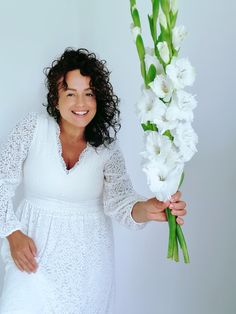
(13, 152)
(119, 195)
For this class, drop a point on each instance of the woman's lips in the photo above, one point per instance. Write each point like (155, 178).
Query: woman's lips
(80, 113)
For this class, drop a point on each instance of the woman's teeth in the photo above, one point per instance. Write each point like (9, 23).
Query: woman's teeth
(80, 113)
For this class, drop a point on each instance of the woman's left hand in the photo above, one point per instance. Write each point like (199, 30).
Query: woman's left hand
(156, 209)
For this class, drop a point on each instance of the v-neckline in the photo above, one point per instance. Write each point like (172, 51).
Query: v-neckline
(59, 150)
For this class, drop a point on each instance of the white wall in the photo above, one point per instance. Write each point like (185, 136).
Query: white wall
(32, 34)
(147, 282)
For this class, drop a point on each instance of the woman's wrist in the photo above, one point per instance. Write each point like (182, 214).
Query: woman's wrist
(139, 213)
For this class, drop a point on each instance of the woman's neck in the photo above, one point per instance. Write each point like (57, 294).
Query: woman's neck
(70, 132)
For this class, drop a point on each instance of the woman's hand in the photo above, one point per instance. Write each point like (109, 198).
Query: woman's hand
(155, 210)
(23, 251)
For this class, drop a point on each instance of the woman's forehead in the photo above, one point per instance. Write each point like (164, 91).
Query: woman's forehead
(74, 81)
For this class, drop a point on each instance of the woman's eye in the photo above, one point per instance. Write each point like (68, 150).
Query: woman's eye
(69, 95)
(89, 94)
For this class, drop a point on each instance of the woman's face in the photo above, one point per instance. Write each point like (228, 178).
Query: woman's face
(77, 103)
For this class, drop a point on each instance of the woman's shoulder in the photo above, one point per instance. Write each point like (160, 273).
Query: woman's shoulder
(32, 124)
(36, 118)
(111, 148)
(37, 115)
(31, 117)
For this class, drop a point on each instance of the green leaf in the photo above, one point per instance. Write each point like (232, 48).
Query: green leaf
(175, 53)
(136, 18)
(165, 36)
(173, 18)
(168, 134)
(149, 126)
(140, 47)
(143, 71)
(181, 180)
(150, 19)
(151, 73)
(155, 9)
(165, 7)
(132, 2)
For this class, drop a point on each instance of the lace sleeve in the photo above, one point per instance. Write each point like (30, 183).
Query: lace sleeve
(12, 155)
(119, 195)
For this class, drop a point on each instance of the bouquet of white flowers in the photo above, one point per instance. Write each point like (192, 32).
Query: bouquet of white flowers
(165, 109)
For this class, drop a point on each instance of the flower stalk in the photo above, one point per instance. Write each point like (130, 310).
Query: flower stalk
(165, 109)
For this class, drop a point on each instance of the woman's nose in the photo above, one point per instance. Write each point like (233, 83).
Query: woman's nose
(80, 100)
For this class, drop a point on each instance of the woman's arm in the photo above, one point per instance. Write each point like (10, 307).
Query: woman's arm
(12, 155)
(119, 195)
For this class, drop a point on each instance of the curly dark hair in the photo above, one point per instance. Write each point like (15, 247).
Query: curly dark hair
(108, 113)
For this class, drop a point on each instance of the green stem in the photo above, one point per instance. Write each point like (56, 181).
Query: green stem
(172, 233)
(176, 250)
(169, 243)
(183, 244)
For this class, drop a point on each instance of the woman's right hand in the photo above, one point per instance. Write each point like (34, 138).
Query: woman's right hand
(23, 251)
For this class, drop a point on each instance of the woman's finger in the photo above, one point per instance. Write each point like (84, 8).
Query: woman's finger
(181, 212)
(178, 205)
(175, 197)
(157, 216)
(26, 264)
(19, 265)
(180, 221)
(31, 260)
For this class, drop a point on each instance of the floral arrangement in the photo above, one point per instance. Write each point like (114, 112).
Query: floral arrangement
(165, 109)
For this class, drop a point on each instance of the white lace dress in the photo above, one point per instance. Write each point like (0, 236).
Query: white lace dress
(68, 215)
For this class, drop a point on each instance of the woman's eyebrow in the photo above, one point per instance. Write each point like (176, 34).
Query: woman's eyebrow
(69, 88)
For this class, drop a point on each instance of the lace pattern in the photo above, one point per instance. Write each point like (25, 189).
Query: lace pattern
(12, 155)
(119, 195)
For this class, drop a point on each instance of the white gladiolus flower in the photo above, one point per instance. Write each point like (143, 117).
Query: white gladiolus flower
(160, 148)
(150, 58)
(174, 6)
(149, 106)
(181, 73)
(181, 106)
(163, 182)
(162, 17)
(135, 30)
(157, 146)
(162, 86)
(179, 33)
(164, 51)
(185, 139)
(163, 124)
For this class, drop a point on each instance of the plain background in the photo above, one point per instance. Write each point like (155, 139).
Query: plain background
(34, 33)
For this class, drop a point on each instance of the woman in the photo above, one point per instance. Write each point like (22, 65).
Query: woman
(58, 244)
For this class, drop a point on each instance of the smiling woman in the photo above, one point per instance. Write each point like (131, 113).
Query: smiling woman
(58, 244)
(58, 247)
